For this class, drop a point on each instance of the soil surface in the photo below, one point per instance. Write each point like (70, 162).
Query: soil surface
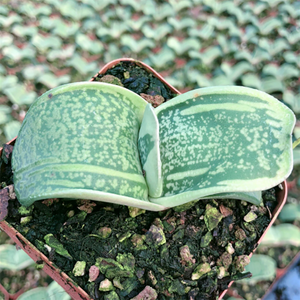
(138, 80)
(115, 252)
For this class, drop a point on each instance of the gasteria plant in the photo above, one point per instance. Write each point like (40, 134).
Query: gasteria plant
(103, 142)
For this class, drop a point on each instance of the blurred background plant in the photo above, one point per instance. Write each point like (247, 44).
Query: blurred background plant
(192, 43)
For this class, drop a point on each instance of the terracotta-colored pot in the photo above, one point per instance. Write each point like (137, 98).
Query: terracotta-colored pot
(64, 280)
(113, 63)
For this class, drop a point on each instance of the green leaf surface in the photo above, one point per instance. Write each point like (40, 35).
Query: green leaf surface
(5, 114)
(293, 100)
(23, 31)
(156, 32)
(12, 129)
(8, 81)
(99, 5)
(296, 155)
(13, 259)
(81, 65)
(252, 80)
(290, 212)
(181, 24)
(262, 267)
(115, 30)
(159, 12)
(6, 39)
(292, 58)
(2, 69)
(44, 43)
(134, 45)
(205, 32)
(51, 81)
(53, 292)
(64, 29)
(252, 197)
(133, 3)
(163, 58)
(282, 235)
(63, 53)
(3, 10)
(183, 46)
(33, 72)
(33, 10)
(138, 23)
(235, 72)
(48, 23)
(113, 52)
(85, 43)
(222, 139)
(92, 129)
(271, 85)
(208, 55)
(269, 25)
(18, 94)
(148, 145)
(180, 5)
(11, 19)
(16, 54)
(74, 10)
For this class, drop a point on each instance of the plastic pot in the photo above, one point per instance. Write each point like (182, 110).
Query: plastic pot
(56, 274)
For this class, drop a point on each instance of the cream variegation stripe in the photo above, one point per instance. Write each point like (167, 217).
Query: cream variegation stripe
(201, 108)
(82, 168)
(188, 173)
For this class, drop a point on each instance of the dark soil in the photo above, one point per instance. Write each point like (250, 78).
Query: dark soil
(181, 253)
(137, 80)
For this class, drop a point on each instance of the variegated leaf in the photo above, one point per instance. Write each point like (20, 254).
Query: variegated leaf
(222, 139)
(80, 141)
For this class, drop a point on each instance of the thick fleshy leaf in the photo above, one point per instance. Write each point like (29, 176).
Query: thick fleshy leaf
(65, 30)
(136, 45)
(262, 267)
(162, 58)
(296, 154)
(290, 212)
(19, 95)
(80, 141)
(12, 129)
(148, 145)
(13, 259)
(252, 197)
(44, 43)
(51, 81)
(16, 54)
(86, 43)
(81, 65)
(222, 139)
(181, 47)
(282, 235)
(53, 292)
(5, 114)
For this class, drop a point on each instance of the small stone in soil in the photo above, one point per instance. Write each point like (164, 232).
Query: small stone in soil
(200, 270)
(79, 268)
(251, 216)
(212, 217)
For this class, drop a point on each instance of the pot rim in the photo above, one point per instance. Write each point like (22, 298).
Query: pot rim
(113, 63)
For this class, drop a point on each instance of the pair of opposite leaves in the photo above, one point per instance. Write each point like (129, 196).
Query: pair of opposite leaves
(103, 142)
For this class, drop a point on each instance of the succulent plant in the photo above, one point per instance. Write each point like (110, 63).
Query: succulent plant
(103, 142)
